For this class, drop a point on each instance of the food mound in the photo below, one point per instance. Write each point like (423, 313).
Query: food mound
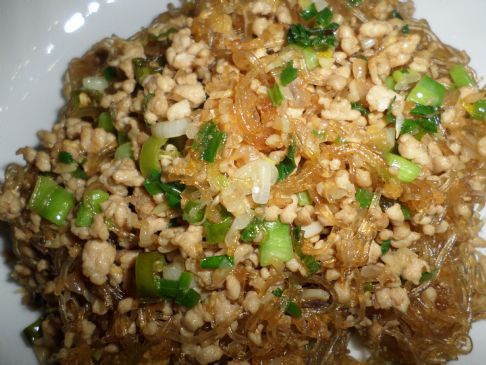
(257, 182)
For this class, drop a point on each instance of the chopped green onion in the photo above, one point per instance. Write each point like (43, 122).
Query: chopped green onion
(303, 198)
(124, 151)
(193, 212)
(289, 74)
(79, 173)
(168, 288)
(293, 310)
(390, 118)
(208, 141)
(309, 12)
(275, 94)
(172, 191)
(105, 122)
(65, 157)
(148, 265)
(310, 57)
(359, 107)
(312, 265)
(84, 216)
(424, 110)
(406, 29)
(368, 287)
(122, 138)
(185, 281)
(189, 299)
(51, 201)
(427, 92)
(141, 69)
(94, 199)
(33, 332)
(277, 243)
(428, 276)
(403, 78)
(251, 231)
(477, 110)
(216, 232)
(461, 76)
(396, 14)
(150, 155)
(278, 292)
(110, 73)
(385, 246)
(390, 83)
(418, 127)
(287, 165)
(407, 215)
(324, 19)
(364, 197)
(217, 262)
(407, 170)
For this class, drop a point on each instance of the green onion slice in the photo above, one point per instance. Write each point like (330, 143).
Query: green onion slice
(407, 170)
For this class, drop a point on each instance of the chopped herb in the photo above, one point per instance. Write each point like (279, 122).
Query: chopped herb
(251, 231)
(396, 14)
(406, 29)
(303, 198)
(385, 246)
(79, 173)
(364, 197)
(311, 264)
(293, 310)
(193, 212)
(390, 118)
(461, 76)
(216, 232)
(427, 123)
(124, 150)
(355, 3)
(390, 83)
(367, 287)
(427, 92)
(309, 12)
(320, 37)
(172, 191)
(277, 292)
(208, 141)
(217, 262)
(109, 73)
(408, 171)
(189, 299)
(428, 276)
(276, 246)
(65, 157)
(34, 331)
(289, 73)
(359, 107)
(406, 212)
(287, 165)
(477, 110)
(275, 94)
(149, 158)
(425, 110)
(105, 122)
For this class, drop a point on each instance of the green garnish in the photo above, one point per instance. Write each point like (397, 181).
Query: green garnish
(293, 310)
(428, 276)
(359, 107)
(217, 262)
(429, 119)
(427, 92)
(79, 173)
(105, 122)
(289, 73)
(193, 212)
(149, 159)
(172, 190)
(355, 3)
(407, 215)
(109, 73)
(216, 232)
(148, 266)
(90, 206)
(276, 245)
(287, 165)
(278, 292)
(275, 94)
(34, 331)
(396, 14)
(406, 29)
(65, 157)
(303, 198)
(385, 246)
(51, 201)
(364, 197)
(407, 170)
(311, 264)
(309, 12)
(477, 110)
(208, 141)
(461, 76)
(124, 150)
(251, 231)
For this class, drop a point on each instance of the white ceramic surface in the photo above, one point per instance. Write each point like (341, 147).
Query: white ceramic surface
(39, 37)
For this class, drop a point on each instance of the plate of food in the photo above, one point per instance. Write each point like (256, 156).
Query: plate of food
(242, 182)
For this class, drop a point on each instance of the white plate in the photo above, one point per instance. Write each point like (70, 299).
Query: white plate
(38, 38)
